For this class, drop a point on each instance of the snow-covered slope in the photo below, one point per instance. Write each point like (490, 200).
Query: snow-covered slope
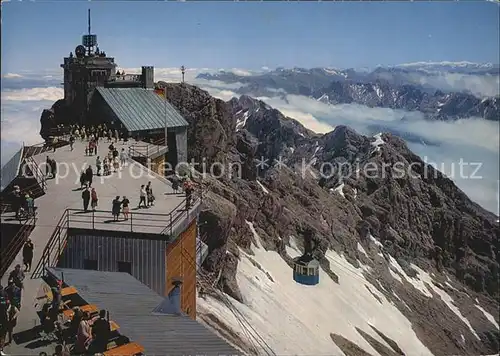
(294, 319)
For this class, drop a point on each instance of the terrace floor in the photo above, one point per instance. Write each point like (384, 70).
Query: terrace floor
(63, 193)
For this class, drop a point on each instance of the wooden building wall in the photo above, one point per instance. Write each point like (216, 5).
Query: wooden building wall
(181, 263)
(158, 165)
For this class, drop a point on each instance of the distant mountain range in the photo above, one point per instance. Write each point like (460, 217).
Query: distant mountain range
(390, 87)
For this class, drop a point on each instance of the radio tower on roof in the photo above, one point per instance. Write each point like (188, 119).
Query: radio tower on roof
(89, 40)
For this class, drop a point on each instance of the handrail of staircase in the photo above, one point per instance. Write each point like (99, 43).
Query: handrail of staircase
(37, 173)
(158, 143)
(6, 205)
(54, 240)
(133, 152)
(9, 254)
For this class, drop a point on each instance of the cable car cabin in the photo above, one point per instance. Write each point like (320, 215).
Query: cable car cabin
(306, 270)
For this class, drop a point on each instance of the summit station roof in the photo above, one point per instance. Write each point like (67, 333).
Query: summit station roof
(141, 109)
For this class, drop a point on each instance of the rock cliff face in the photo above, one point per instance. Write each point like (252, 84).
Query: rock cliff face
(347, 189)
(58, 114)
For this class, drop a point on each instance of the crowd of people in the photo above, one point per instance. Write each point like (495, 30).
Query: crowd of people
(23, 203)
(10, 305)
(90, 335)
(96, 133)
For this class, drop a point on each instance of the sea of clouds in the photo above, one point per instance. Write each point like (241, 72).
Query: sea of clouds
(473, 140)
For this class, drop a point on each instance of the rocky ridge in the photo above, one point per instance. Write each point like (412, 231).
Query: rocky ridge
(419, 217)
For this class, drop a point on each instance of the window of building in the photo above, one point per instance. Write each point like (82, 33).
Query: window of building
(90, 264)
(124, 267)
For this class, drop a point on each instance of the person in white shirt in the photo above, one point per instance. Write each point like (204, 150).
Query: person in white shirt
(123, 157)
(142, 197)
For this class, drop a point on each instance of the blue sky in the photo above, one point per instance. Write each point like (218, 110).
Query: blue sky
(36, 35)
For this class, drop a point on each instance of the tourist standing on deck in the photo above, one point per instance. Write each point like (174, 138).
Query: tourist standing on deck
(89, 175)
(142, 197)
(28, 255)
(30, 204)
(116, 164)
(125, 207)
(71, 141)
(123, 157)
(116, 208)
(14, 293)
(83, 178)
(53, 167)
(117, 136)
(91, 147)
(47, 167)
(98, 164)
(188, 189)
(17, 275)
(4, 319)
(56, 298)
(16, 201)
(149, 194)
(93, 197)
(12, 313)
(86, 198)
(175, 183)
(105, 165)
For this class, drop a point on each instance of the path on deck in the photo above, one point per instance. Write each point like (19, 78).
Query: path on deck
(61, 194)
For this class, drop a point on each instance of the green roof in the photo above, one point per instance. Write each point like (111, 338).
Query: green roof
(141, 109)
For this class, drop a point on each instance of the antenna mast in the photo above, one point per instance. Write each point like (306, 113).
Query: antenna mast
(89, 40)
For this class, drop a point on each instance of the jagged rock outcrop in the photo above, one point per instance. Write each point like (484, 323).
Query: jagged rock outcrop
(58, 114)
(345, 188)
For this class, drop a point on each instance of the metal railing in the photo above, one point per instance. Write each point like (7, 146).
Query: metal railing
(146, 149)
(37, 173)
(180, 212)
(126, 78)
(97, 219)
(101, 219)
(39, 148)
(8, 254)
(56, 240)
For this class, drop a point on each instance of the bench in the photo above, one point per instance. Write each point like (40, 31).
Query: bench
(64, 293)
(130, 349)
(68, 291)
(92, 309)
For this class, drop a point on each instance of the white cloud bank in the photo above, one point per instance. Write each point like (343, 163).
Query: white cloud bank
(472, 140)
